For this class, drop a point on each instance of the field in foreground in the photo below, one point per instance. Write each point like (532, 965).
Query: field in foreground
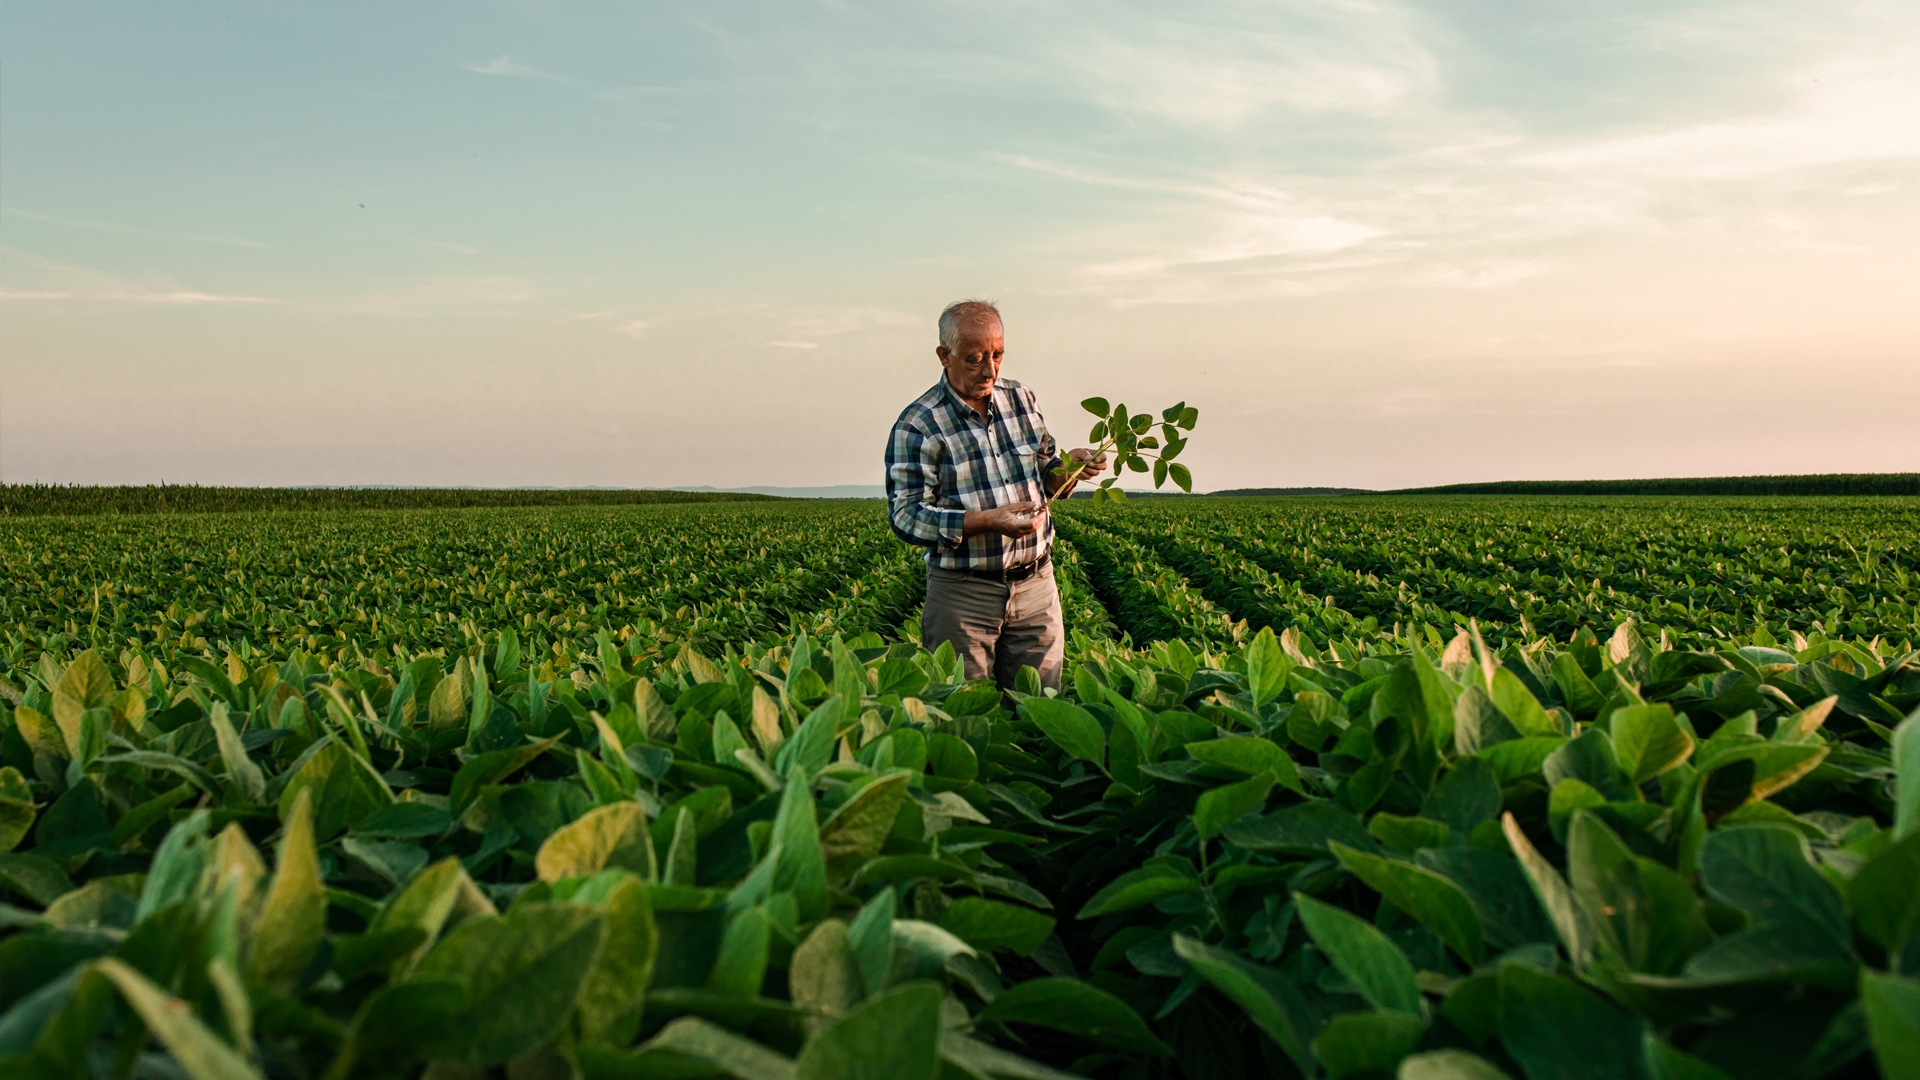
(1443, 787)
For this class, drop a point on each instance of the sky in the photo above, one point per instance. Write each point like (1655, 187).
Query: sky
(1375, 244)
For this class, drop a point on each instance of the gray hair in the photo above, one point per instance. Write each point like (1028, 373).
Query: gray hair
(964, 311)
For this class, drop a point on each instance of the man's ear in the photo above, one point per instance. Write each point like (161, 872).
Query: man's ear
(941, 352)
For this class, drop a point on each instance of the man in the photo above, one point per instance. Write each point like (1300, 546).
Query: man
(969, 469)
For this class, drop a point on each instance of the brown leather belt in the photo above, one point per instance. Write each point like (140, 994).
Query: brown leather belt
(1013, 573)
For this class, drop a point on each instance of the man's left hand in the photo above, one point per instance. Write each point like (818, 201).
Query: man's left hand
(1094, 465)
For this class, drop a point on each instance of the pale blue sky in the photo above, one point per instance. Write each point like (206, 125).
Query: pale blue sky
(1378, 244)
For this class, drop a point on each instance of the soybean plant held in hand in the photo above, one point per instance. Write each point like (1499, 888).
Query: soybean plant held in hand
(1129, 434)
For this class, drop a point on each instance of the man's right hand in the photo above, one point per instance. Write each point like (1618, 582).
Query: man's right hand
(1013, 520)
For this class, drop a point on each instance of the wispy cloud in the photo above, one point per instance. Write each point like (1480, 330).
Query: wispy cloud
(126, 297)
(131, 230)
(508, 66)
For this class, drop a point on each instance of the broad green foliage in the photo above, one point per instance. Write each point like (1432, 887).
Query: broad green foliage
(1130, 436)
(533, 792)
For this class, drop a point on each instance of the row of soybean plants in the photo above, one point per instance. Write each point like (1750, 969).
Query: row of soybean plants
(1706, 566)
(1629, 860)
(403, 583)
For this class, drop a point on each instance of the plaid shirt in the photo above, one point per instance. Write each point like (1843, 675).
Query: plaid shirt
(943, 460)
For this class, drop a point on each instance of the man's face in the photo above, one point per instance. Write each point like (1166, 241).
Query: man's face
(973, 363)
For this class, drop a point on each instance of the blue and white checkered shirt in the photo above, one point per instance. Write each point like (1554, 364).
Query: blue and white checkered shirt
(943, 460)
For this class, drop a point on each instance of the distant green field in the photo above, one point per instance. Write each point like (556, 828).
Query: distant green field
(20, 500)
(1435, 788)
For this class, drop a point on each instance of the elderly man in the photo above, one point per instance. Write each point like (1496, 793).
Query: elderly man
(970, 467)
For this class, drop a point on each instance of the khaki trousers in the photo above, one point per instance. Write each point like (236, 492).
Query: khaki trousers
(996, 627)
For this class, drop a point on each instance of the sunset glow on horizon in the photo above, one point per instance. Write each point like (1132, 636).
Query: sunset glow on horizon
(1377, 244)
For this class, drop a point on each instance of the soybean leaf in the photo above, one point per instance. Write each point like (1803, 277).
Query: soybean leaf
(1071, 727)
(1269, 998)
(202, 1054)
(713, 1046)
(524, 972)
(1892, 1005)
(606, 837)
(1765, 871)
(1222, 806)
(893, 1036)
(1367, 957)
(1449, 1065)
(991, 924)
(1885, 895)
(1558, 1030)
(1438, 904)
(1074, 1007)
(1137, 888)
(1359, 1042)
(855, 832)
(293, 914)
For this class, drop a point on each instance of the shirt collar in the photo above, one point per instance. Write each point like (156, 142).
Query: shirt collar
(960, 404)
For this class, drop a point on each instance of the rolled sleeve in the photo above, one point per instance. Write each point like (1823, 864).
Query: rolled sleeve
(913, 489)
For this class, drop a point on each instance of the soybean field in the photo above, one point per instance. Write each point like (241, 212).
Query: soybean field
(1429, 787)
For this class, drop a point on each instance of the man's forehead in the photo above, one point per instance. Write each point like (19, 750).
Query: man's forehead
(980, 326)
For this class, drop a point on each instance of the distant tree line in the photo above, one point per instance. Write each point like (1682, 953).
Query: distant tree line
(1823, 484)
(25, 500)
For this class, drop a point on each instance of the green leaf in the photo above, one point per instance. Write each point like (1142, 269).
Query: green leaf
(425, 905)
(855, 832)
(1906, 764)
(35, 877)
(615, 992)
(1649, 741)
(1274, 1004)
(344, 790)
(1245, 755)
(1357, 1042)
(1189, 416)
(990, 924)
(1137, 888)
(1645, 915)
(1267, 667)
(1449, 1065)
(813, 742)
(1369, 960)
(1765, 870)
(1558, 1031)
(1666, 1063)
(801, 866)
(1556, 899)
(524, 972)
(742, 964)
(824, 976)
(712, 1046)
(1466, 796)
(489, 768)
(202, 1054)
(293, 915)
(1892, 1005)
(1304, 829)
(241, 771)
(17, 809)
(1222, 806)
(1520, 707)
(1071, 727)
(1074, 1007)
(1438, 904)
(870, 939)
(893, 1036)
(683, 855)
(1498, 887)
(1885, 895)
(606, 837)
(1181, 475)
(1408, 834)
(1097, 406)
